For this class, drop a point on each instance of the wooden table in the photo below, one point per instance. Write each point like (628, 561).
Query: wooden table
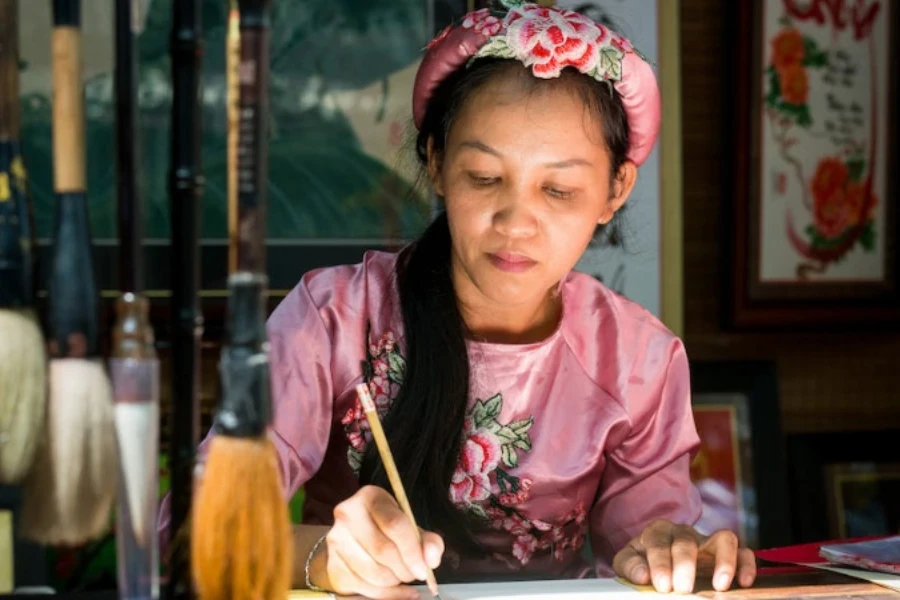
(822, 585)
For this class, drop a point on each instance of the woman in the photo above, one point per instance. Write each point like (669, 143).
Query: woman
(529, 408)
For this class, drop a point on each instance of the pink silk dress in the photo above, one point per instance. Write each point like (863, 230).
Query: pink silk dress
(587, 434)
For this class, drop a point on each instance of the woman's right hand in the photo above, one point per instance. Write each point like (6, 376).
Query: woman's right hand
(372, 549)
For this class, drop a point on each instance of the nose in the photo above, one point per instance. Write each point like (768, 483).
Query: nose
(514, 219)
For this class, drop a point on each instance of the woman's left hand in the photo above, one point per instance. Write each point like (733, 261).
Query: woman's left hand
(672, 556)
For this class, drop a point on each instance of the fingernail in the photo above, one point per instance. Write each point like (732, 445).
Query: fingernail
(721, 581)
(746, 580)
(663, 584)
(421, 573)
(639, 575)
(433, 556)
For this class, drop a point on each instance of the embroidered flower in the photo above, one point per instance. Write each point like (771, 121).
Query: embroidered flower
(483, 22)
(550, 40)
(479, 458)
(383, 370)
(794, 84)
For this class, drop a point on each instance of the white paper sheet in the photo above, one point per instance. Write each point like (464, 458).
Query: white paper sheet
(569, 589)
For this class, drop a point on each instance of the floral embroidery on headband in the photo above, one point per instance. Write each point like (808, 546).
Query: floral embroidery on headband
(484, 483)
(551, 39)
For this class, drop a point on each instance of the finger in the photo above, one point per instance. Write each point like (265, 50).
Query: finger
(345, 582)
(746, 568)
(631, 564)
(433, 545)
(684, 559)
(359, 560)
(370, 537)
(396, 526)
(723, 545)
(657, 541)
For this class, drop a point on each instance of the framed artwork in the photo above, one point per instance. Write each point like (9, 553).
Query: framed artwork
(339, 179)
(814, 221)
(739, 469)
(863, 499)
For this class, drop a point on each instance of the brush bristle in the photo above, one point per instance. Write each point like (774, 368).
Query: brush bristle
(69, 493)
(23, 392)
(241, 542)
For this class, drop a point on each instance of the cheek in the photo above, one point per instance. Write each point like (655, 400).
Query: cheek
(569, 237)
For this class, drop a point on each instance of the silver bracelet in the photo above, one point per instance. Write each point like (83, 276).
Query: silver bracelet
(315, 548)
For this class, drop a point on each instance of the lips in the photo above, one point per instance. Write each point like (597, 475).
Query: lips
(511, 262)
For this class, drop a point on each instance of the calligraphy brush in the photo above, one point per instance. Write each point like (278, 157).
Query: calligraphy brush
(23, 362)
(241, 530)
(69, 492)
(390, 467)
(134, 366)
(185, 194)
(232, 61)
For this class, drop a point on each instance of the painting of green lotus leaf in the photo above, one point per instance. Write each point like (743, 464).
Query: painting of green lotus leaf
(340, 122)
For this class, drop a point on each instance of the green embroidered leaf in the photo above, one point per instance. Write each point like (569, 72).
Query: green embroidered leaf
(496, 48)
(355, 459)
(522, 426)
(610, 65)
(524, 443)
(494, 405)
(486, 411)
(856, 168)
(478, 511)
(774, 88)
(803, 117)
(397, 365)
(494, 426)
(509, 456)
(507, 435)
(800, 113)
(867, 237)
(812, 55)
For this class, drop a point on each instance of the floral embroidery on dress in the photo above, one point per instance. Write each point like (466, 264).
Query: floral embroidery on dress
(383, 369)
(483, 483)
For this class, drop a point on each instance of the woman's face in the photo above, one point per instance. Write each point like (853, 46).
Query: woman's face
(526, 180)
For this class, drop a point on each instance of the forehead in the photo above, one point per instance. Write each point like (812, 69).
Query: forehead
(509, 112)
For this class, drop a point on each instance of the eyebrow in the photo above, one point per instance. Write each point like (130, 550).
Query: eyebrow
(562, 164)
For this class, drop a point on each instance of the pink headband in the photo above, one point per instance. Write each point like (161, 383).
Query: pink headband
(548, 40)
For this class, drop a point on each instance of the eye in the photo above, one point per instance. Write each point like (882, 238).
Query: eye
(558, 193)
(479, 180)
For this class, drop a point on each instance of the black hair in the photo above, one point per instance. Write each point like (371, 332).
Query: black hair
(425, 422)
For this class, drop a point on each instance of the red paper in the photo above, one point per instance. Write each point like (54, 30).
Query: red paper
(875, 555)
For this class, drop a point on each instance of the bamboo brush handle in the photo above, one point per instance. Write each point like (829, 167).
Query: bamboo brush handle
(9, 70)
(131, 272)
(252, 152)
(232, 61)
(68, 101)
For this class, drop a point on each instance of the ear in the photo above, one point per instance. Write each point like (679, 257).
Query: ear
(434, 168)
(621, 189)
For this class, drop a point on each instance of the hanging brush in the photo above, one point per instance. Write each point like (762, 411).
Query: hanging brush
(241, 530)
(133, 364)
(69, 493)
(23, 362)
(185, 193)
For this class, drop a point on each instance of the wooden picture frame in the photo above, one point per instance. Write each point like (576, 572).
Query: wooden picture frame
(807, 246)
(863, 499)
(738, 418)
(809, 456)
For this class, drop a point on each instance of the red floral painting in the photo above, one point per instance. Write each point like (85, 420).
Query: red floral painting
(822, 148)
